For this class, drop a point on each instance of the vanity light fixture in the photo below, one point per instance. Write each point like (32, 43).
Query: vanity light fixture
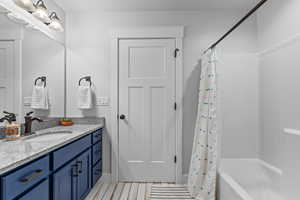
(26, 5)
(55, 23)
(41, 12)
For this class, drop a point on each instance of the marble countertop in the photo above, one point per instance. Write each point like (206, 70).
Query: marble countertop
(16, 153)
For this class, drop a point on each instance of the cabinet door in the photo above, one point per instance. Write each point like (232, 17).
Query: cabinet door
(64, 182)
(84, 177)
(39, 192)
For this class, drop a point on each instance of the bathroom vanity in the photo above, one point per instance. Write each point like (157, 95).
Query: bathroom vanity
(60, 163)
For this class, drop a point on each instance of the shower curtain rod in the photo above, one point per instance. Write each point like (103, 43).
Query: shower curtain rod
(253, 10)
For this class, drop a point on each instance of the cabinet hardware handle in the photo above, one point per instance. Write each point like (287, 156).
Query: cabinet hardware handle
(79, 167)
(32, 176)
(74, 170)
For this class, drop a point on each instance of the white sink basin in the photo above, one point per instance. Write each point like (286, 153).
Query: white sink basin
(47, 136)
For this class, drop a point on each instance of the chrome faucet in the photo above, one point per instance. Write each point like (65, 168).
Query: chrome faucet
(28, 122)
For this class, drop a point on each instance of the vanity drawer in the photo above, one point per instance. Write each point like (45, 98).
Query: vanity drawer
(24, 178)
(67, 153)
(97, 172)
(97, 152)
(39, 192)
(97, 136)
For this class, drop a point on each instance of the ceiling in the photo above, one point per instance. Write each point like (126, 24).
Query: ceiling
(153, 5)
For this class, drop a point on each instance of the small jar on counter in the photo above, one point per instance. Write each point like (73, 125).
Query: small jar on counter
(12, 131)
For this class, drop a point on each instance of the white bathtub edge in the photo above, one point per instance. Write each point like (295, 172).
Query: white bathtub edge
(262, 162)
(237, 188)
(271, 167)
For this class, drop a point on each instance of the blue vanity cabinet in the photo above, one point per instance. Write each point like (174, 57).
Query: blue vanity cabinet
(64, 182)
(70, 151)
(84, 175)
(97, 136)
(97, 156)
(72, 182)
(67, 173)
(96, 172)
(24, 178)
(39, 192)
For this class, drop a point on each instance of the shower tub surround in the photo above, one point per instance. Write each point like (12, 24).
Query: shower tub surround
(248, 179)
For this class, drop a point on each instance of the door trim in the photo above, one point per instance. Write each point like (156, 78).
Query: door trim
(171, 32)
(16, 37)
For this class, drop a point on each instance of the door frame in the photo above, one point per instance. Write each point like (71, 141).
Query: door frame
(150, 32)
(16, 37)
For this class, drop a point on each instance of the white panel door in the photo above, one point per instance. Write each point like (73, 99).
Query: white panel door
(146, 102)
(6, 76)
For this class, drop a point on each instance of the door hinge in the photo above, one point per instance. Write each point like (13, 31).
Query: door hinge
(175, 106)
(175, 159)
(176, 52)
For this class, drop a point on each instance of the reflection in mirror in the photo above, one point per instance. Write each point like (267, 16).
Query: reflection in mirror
(25, 55)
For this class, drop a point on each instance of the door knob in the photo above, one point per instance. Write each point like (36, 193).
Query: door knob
(122, 117)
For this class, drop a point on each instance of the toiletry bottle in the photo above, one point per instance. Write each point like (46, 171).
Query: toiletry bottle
(12, 129)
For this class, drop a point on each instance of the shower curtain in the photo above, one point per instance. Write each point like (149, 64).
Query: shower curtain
(203, 168)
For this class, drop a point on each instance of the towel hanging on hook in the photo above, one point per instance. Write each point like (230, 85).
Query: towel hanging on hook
(39, 98)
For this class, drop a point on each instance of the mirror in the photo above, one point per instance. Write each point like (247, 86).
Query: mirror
(26, 57)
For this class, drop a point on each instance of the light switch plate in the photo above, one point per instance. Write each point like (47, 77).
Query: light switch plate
(102, 101)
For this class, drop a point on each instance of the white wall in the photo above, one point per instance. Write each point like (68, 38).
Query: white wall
(88, 53)
(278, 33)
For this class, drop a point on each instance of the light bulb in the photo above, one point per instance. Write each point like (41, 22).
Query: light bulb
(41, 12)
(26, 5)
(55, 23)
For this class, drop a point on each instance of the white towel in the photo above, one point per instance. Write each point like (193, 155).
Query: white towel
(39, 99)
(84, 97)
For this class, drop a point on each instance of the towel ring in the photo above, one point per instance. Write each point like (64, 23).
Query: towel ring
(87, 79)
(43, 79)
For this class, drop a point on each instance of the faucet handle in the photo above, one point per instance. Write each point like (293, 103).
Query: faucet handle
(29, 113)
(8, 113)
(11, 116)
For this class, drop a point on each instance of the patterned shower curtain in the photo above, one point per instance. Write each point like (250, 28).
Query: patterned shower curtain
(203, 168)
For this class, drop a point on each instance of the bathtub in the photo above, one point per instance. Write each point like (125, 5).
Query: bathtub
(248, 179)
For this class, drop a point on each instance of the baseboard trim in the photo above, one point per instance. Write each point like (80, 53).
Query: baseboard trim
(105, 178)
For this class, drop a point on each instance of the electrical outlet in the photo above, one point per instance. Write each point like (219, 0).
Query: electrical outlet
(102, 101)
